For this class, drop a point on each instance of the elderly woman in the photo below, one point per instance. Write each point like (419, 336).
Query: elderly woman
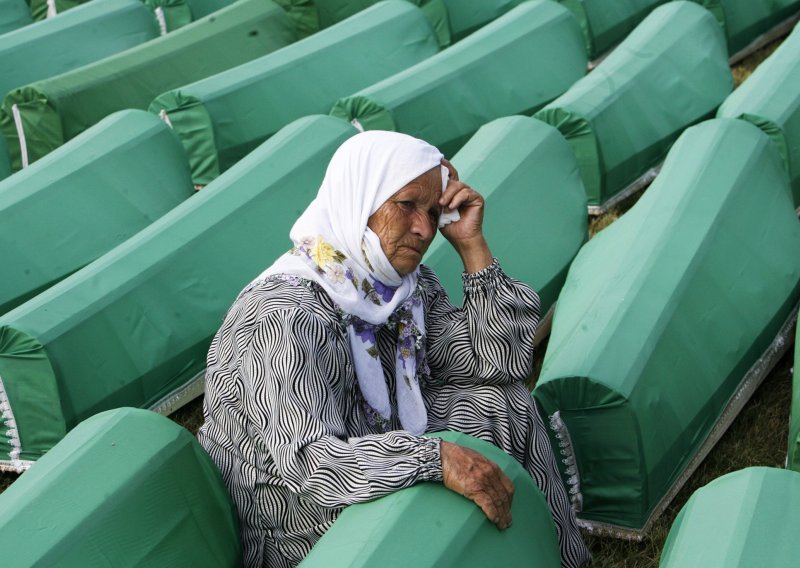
(331, 365)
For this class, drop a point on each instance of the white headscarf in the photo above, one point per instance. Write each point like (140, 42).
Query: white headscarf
(334, 247)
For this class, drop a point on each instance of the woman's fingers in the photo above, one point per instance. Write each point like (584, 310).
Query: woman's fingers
(468, 473)
(453, 172)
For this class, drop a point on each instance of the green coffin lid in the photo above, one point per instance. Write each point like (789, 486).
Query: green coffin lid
(429, 525)
(84, 35)
(513, 65)
(793, 457)
(126, 487)
(607, 22)
(222, 118)
(743, 519)
(621, 119)
(84, 199)
(42, 9)
(133, 328)
(770, 99)
(14, 14)
(745, 20)
(535, 219)
(660, 327)
(52, 111)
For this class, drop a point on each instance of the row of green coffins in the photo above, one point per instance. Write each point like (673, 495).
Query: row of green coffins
(668, 320)
(173, 13)
(221, 119)
(130, 488)
(51, 201)
(41, 116)
(133, 327)
(621, 119)
(89, 33)
(126, 487)
(513, 65)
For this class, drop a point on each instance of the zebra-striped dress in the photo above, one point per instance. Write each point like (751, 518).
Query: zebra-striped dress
(295, 441)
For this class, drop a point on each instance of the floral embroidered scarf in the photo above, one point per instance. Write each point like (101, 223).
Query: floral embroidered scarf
(334, 247)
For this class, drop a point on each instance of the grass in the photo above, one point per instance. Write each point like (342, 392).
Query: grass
(758, 436)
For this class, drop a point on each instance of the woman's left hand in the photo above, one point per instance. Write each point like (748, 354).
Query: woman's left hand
(466, 234)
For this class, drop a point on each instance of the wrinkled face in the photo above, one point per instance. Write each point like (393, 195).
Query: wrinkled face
(406, 222)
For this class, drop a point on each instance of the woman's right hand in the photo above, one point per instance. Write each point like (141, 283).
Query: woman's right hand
(479, 479)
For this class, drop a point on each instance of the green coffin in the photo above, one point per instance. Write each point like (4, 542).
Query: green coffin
(659, 330)
(743, 519)
(793, 455)
(84, 199)
(535, 219)
(14, 14)
(514, 65)
(429, 525)
(126, 487)
(621, 119)
(222, 118)
(607, 22)
(770, 99)
(81, 36)
(133, 328)
(52, 111)
(745, 20)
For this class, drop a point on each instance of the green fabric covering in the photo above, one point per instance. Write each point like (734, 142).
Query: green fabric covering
(665, 311)
(606, 22)
(745, 20)
(125, 488)
(55, 110)
(621, 119)
(745, 518)
(39, 8)
(85, 198)
(793, 456)
(135, 325)
(222, 118)
(770, 99)
(535, 218)
(31, 428)
(513, 65)
(81, 36)
(429, 525)
(14, 14)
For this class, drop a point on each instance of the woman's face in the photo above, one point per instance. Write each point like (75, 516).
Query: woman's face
(407, 222)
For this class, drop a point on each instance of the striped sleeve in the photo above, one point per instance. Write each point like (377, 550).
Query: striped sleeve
(490, 339)
(293, 369)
